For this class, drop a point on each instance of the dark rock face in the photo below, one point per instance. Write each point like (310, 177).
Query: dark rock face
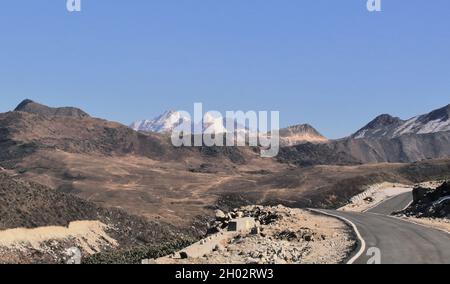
(420, 195)
(383, 120)
(382, 126)
(441, 114)
(310, 154)
(430, 202)
(32, 107)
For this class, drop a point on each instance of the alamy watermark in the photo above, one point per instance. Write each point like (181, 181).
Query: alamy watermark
(236, 128)
(374, 5)
(73, 5)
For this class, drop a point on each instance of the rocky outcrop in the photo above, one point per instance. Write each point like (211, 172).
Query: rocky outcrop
(429, 202)
(300, 134)
(310, 154)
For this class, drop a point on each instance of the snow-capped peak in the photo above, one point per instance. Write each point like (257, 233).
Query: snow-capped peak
(386, 126)
(169, 120)
(164, 123)
(213, 124)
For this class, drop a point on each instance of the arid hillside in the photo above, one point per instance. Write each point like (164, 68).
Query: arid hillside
(38, 223)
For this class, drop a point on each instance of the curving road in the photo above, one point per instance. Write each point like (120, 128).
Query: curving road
(398, 241)
(394, 204)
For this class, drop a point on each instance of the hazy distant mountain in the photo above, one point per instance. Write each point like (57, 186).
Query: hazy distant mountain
(298, 134)
(386, 126)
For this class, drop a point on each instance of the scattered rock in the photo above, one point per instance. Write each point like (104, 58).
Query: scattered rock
(369, 199)
(219, 248)
(251, 260)
(278, 235)
(255, 230)
(73, 256)
(220, 215)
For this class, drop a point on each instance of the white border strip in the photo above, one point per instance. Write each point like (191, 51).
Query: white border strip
(358, 234)
(406, 207)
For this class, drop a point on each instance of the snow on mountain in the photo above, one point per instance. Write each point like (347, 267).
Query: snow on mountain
(212, 124)
(386, 126)
(435, 121)
(164, 123)
(169, 120)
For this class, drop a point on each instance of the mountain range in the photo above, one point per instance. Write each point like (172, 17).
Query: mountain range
(65, 164)
(169, 120)
(384, 139)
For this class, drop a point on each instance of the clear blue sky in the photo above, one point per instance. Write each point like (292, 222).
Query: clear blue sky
(325, 62)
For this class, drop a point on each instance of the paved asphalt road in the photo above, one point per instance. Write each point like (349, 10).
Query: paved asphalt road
(397, 203)
(398, 241)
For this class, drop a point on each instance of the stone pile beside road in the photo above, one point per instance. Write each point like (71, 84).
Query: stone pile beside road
(278, 235)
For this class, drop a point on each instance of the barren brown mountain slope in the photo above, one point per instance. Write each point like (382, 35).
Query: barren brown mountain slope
(171, 192)
(25, 204)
